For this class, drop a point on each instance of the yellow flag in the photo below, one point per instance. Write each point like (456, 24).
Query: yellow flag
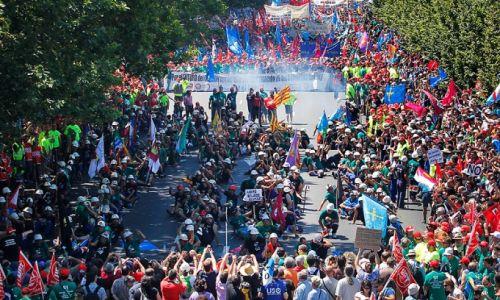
(282, 96)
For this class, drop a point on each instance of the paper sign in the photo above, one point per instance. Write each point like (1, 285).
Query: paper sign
(435, 156)
(367, 238)
(253, 195)
(474, 170)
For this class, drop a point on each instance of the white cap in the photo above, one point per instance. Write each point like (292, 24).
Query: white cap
(37, 237)
(183, 237)
(190, 228)
(101, 223)
(184, 267)
(286, 165)
(259, 179)
(265, 217)
(28, 210)
(357, 180)
(393, 218)
(115, 217)
(188, 222)
(448, 251)
(273, 235)
(386, 199)
(376, 174)
(254, 231)
(6, 190)
(317, 238)
(287, 189)
(280, 186)
(2, 200)
(127, 233)
(253, 172)
(330, 206)
(413, 289)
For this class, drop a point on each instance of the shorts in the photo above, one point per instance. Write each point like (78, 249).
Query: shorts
(426, 199)
(289, 109)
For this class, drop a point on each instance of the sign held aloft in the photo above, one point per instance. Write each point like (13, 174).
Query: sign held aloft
(367, 238)
(253, 195)
(474, 170)
(435, 156)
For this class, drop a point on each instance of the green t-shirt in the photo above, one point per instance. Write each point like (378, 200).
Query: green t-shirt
(307, 161)
(434, 281)
(331, 197)
(451, 265)
(324, 214)
(55, 137)
(64, 290)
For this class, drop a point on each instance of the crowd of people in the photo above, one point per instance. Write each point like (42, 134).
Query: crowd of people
(73, 240)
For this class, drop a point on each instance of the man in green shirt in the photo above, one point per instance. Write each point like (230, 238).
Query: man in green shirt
(65, 289)
(330, 197)
(329, 219)
(433, 282)
(450, 263)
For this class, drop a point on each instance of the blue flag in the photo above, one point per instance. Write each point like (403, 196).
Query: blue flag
(435, 80)
(335, 19)
(268, 272)
(248, 48)
(233, 40)
(117, 143)
(395, 93)
(323, 124)
(210, 70)
(338, 114)
(277, 34)
(375, 214)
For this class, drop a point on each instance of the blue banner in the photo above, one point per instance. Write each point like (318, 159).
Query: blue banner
(395, 93)
(233, 40)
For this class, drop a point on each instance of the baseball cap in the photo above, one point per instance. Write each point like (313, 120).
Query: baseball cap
(434, 264)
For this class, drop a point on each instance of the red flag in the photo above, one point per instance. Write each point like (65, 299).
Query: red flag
(397, 252)
(473, 241)
(450, 94)
(402, 277)
(460, 165)
(23, 268)
(439, 172)
(270, 46)
(35, 286)
(13, 198)
(2, 278)
(53, 276)
(277, 214)
(437, 110)
(432, 65)
(418, 109)
(491, 215)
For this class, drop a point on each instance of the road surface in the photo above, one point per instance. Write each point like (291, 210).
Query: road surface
(149, 214)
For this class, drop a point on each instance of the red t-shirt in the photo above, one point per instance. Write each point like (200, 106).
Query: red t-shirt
(171, 290)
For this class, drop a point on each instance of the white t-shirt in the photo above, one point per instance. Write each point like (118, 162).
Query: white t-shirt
(345, 291)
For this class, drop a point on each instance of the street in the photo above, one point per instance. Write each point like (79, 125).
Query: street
(149, 214)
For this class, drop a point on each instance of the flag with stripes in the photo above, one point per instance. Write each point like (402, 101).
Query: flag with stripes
(282, 96)
(22, 269)
(53, 275)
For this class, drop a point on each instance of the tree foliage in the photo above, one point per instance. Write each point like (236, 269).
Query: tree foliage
(57, 57)
(462, 34)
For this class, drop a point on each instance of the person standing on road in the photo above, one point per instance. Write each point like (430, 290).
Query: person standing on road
(231, 98)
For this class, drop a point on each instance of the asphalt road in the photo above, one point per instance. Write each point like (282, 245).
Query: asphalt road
(149, 214)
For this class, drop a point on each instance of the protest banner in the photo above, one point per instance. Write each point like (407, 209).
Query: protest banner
(474, 170)
(253, 195)
(435, 156)
(367, 238)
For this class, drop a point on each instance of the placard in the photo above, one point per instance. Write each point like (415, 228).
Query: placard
(253, 195)
(367, 238)
(474, 170)
(435, 156)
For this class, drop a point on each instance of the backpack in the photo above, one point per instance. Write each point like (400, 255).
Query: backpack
(89, 295)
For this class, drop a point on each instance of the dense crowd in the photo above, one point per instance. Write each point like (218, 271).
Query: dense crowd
(74, 239)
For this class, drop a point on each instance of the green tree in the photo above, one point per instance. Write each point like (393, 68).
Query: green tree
(461, 34)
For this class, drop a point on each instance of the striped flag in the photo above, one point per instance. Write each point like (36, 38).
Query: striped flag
(293, 157)
(117, 143)
(425, 179)
(182, 140)
(13, 198)
(282, 96)
(154, 159)
(2, 278)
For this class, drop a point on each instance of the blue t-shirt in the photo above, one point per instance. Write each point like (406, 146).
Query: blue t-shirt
(274, 290)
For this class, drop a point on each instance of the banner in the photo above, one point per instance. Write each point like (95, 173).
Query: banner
(288, 11)
(300, 80)
(317, 28)
(253, 195)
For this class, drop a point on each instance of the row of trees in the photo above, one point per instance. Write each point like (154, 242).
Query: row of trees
(57, 57)
(463, 35)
